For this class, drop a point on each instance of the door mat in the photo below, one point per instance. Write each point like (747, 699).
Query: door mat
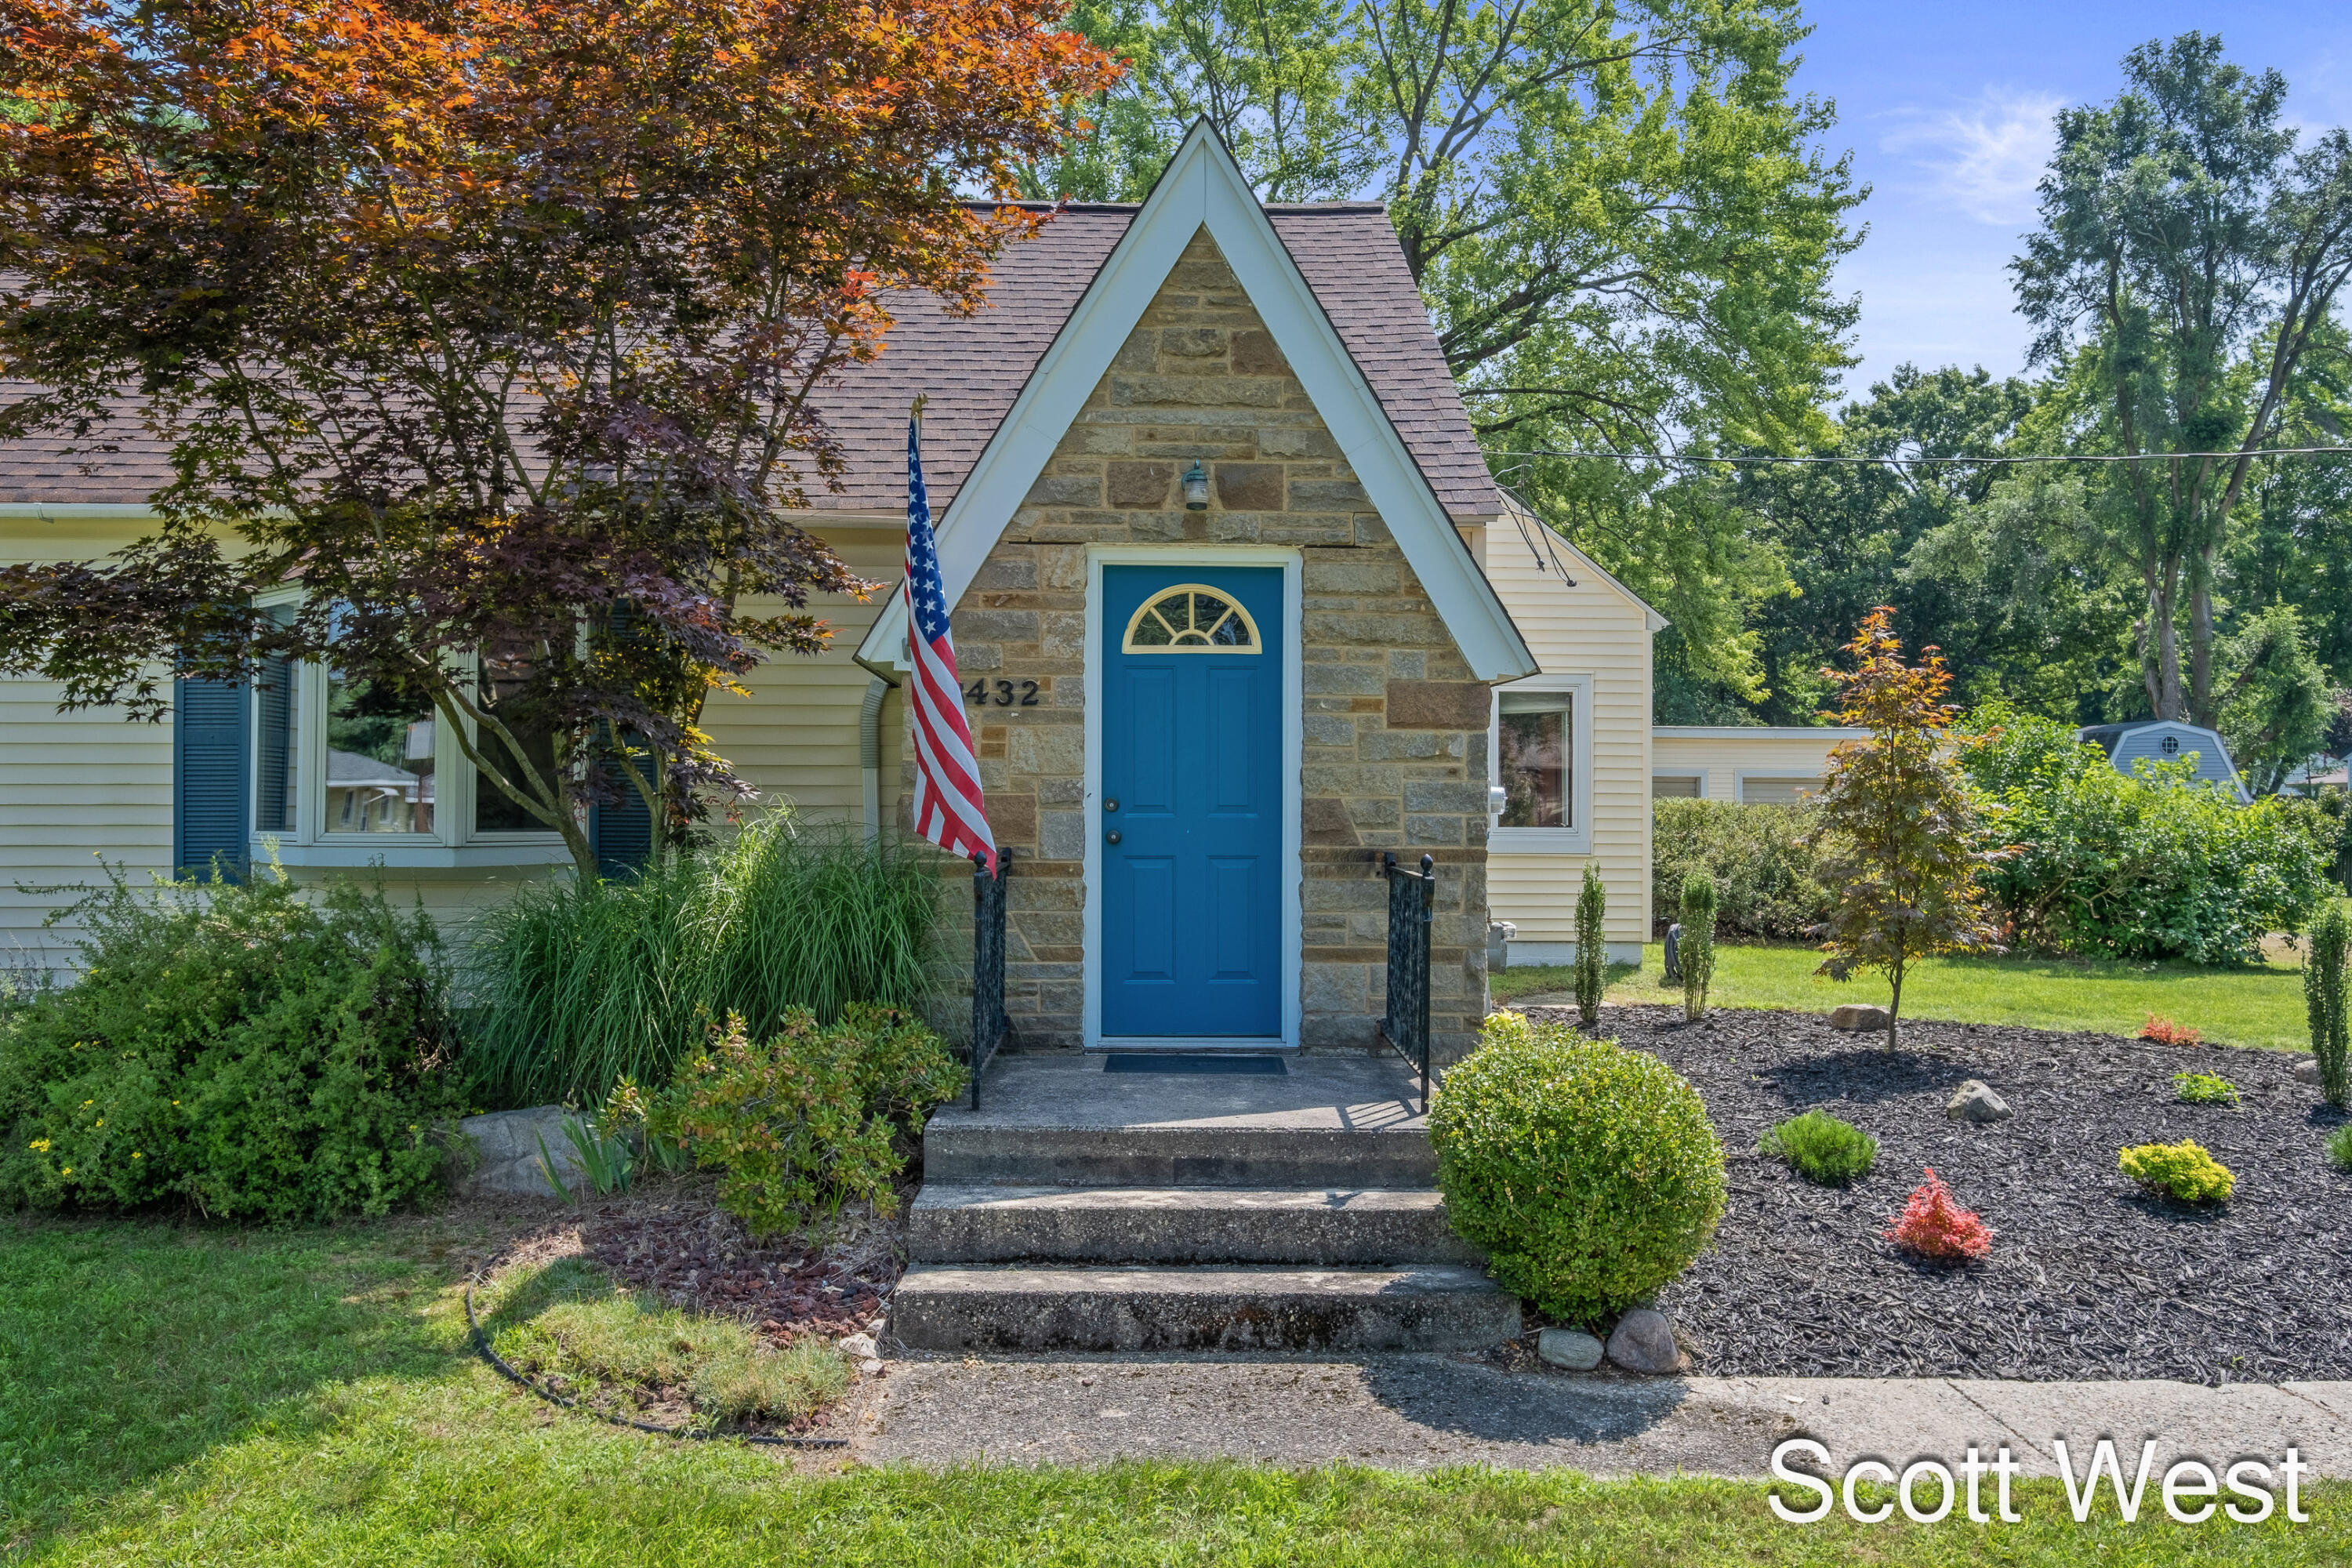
(1199, 1064)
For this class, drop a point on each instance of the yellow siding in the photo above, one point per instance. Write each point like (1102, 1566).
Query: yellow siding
(1721, 756)
(1594, 628)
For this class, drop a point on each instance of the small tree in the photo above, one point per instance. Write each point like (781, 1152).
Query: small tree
(2323, 996)
(1592, 946)
(1897, 829)
(1698, 942)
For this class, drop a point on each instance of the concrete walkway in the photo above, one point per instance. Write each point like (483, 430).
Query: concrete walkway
(1416, 1412)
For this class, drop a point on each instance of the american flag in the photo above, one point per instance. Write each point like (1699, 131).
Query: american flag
(948, 808)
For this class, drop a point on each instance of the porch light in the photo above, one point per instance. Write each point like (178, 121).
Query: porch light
(1196, 488)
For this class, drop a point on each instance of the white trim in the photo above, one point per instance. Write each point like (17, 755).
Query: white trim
(1755, 732)
(1697, 775)
(1541, 954)
(1294, 754)
(1739, 781)
(62, 512)
(1203, 187)
(1577, 837)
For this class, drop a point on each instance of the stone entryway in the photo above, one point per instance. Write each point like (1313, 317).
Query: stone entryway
(1091, 1210)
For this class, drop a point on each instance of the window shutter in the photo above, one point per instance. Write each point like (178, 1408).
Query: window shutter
(210, 763)
(273, 711)
(622, 834)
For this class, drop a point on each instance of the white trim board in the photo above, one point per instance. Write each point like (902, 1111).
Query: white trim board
(1294, 755)
(1203, 187)
(1577, 837)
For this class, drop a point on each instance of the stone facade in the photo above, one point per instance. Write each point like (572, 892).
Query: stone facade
(1395, 727)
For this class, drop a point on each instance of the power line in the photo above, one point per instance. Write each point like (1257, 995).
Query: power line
(1689, 460)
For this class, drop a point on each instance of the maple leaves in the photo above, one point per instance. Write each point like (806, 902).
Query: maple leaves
(491, 319)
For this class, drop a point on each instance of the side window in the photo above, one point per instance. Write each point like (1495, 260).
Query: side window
(1535, 758)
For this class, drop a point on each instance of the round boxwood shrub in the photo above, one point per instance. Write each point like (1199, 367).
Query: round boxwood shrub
(1588, 1173)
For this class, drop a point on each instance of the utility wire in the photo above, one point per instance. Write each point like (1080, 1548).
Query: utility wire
(1692, 460)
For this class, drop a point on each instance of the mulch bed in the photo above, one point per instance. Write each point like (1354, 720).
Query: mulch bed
(2088, 1278)
(692, 1254)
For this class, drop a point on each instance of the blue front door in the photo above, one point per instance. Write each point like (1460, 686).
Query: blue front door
(1191, 815)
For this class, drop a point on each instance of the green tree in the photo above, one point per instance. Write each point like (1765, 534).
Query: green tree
(1696, 950)
(1591, 945)
(1896, 824)
(2191, 250)
(2275, 699)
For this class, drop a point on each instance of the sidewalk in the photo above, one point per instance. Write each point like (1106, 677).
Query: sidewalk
(1418, 1411)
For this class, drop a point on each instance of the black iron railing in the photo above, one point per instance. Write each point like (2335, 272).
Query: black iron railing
(1413, 903)
(987, 963)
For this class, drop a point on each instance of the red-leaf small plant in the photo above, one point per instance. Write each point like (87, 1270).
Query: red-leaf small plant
(1934, 1225)
(2165, 1032)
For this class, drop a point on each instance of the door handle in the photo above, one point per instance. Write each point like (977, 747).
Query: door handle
(1110, 837)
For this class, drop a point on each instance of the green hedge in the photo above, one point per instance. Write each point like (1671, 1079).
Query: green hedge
(245, 1051)
(1764, 881)
(2149, 864)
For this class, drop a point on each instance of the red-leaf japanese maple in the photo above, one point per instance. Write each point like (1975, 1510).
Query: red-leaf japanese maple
(492, 326)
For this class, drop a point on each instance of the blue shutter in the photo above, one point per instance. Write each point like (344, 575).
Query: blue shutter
(622, 834)
(273, 703)
(211, 763)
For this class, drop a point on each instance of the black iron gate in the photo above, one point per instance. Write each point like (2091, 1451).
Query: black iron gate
(987, 963)
(1412, 901)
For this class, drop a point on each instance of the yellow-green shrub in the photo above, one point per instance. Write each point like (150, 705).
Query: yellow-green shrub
(2184, 1170)
(1588, 1173)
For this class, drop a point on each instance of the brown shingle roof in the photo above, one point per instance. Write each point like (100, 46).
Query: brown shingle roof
(972, 367)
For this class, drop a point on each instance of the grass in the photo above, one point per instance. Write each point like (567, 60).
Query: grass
(566, 1322)
(195, 1396)
(578, 984)
(2255, 1004)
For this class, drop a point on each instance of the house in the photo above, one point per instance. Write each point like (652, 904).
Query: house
(2166, 741)
(1756, 766)
(1239, 609)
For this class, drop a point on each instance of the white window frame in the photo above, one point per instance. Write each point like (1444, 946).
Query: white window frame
(453, 844)
(1698, 774)
(1577, 839)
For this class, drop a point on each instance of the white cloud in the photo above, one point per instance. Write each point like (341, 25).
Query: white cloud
(1986, 158)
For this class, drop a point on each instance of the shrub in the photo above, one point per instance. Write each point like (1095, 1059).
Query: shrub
(2183, 1171)
(2324, 1001)
(1822, 1149)
(1588, 1173)
(2165, 1032)
(1934, 1225)
(241, 1048)
(2203, 1089)
(579, 985)
(2339, 1147)
(1764, 874)
(806, 1120)
(1698, 950)
(2150, 865)
(1591, 945)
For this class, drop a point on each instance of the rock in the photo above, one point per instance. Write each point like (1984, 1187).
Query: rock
(506, 1153)
(858, 1347)
(870, 1366)
(1572, 1348)
(2307, 1070)
(1975, 1101)
(1644, 1341)
(1859, 1017)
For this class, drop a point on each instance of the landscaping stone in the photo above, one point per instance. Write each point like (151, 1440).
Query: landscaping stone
(1976, 1102)
(2307, 1070)
(1644, 1341)
(1572, 1348)
(858, 1347)
(507, 1153)
(1859, 1017)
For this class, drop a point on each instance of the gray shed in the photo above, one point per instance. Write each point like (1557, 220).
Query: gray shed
(2168, 740)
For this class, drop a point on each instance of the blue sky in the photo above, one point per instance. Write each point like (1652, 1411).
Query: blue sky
(1947, 108)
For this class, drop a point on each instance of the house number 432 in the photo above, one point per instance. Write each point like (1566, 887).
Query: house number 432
(1003, 693)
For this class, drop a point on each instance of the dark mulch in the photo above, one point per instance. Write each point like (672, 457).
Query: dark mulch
(2088, 1278)
(693, 1254)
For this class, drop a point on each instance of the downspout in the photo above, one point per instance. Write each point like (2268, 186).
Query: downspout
(869, 754)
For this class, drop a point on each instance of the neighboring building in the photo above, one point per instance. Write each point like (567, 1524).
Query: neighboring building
(2166, 741)
(1754, 765)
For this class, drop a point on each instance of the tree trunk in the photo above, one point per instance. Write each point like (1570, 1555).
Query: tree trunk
(2200, 642)
(2163, 602)
(1895, 1007)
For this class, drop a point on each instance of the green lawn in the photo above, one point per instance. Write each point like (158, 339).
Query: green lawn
(184, 1396)
(2254, 1005)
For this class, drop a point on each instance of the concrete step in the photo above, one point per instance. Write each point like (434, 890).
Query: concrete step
(1434, 1307)
(1060, 1120)
(1181, 1224)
